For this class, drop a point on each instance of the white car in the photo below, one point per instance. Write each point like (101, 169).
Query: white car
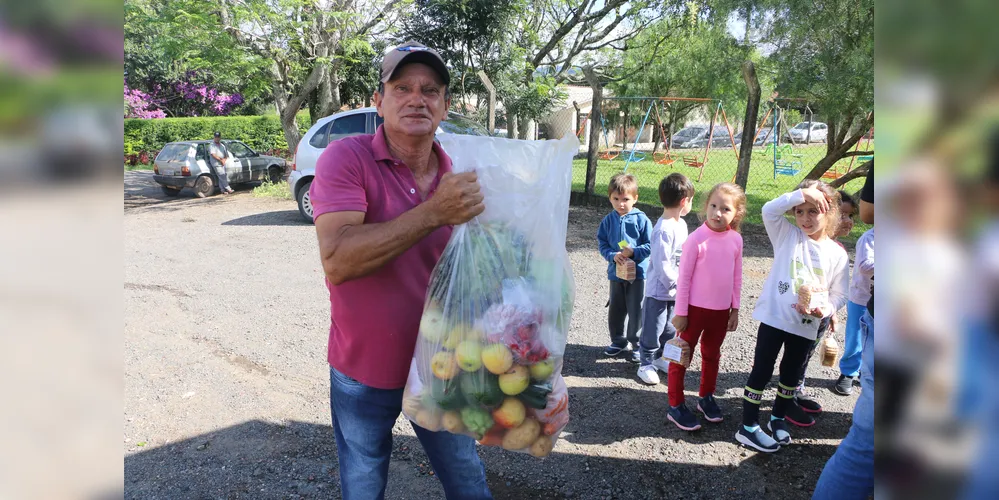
(346, 124)
(800, 132)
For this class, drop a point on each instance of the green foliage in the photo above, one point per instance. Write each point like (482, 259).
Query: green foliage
(684, 56)
(268, 189)
(262, 133)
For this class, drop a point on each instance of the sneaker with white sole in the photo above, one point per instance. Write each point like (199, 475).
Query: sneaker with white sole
(709, 407)
(779, 429)
(683, 418)
(757, 440)
(661, 364)
(648, 374)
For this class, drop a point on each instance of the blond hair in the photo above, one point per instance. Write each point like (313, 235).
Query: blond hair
(737, 194)
(832, 215)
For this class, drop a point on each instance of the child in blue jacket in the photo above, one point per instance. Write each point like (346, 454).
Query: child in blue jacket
(630, 225)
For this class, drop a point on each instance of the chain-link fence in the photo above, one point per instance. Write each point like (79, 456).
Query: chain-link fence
(702, 141)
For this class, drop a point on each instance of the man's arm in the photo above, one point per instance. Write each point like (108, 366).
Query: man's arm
(867, 197)
(350, 249)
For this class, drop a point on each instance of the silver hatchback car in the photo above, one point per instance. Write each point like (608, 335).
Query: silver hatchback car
(185, 164)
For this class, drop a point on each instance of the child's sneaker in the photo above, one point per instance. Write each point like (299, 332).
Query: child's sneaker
(844, 385)
(683, 418)
(757, 440)
(797, 415)
(661, 364)
(648, 374)
(806, 402)
(613, 350)
(778, 427)
(710, 409)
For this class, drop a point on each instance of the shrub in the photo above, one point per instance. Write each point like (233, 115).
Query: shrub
(262, 133)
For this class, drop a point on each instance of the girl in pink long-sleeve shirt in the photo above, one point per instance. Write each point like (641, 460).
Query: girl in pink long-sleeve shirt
(707, 298)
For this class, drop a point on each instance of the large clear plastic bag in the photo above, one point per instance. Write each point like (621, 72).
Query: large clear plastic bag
(488, 362)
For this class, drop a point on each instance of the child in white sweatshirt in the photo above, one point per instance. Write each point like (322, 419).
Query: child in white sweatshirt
(804, 255)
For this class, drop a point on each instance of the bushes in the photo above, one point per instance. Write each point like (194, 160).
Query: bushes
(262, 133)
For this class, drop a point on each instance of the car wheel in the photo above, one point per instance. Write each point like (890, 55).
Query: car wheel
(170, 191)
(275, 173)
(305, 202)
(204, 186)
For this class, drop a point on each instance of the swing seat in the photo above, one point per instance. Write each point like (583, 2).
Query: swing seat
(663, 158)
(609, 154)
(787, 167)
(692, 161)
(636, 156)
(832, 173)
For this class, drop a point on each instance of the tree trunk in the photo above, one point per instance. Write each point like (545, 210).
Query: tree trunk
(511, 126)
(595, 120)
(860, 171)
(748, 124)
(838, 149)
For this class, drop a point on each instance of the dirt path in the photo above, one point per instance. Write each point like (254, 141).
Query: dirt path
(226, 384)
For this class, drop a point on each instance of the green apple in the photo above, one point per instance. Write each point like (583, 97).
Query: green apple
(542, 369)
(469, 354)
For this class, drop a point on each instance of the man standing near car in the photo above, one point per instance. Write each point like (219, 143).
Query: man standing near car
(384, 205)
(219, 154)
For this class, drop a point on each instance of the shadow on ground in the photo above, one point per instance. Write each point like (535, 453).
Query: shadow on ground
(276, 218)
(258, 459)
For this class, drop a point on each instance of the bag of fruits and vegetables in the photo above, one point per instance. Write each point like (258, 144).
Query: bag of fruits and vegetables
(488, 361)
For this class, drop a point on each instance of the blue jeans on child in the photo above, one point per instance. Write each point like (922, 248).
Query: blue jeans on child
(657, 328)
(849, 364)
(362, 420)
(849, 474)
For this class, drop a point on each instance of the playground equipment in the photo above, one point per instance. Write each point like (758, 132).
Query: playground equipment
(835, 173)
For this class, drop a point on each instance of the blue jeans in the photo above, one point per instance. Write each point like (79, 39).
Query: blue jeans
(849, 474)
(657, 328)
(362, 420)
(849, 364)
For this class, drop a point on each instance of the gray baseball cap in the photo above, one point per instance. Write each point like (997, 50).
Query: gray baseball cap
(413, 52)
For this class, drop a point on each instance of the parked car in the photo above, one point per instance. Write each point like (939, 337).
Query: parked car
(688, 134)
(719, 138)
(345, 124)
(766, 136)
(808, 132)
(185, 165)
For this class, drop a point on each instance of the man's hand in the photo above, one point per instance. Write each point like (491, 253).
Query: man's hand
(832, 324)
(628, 252)
(680, 322)
(620, 259)
(457, 200)
(733, 320)
(817, 198)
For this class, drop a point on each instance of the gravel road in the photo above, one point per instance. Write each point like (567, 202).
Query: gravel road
(226, 383)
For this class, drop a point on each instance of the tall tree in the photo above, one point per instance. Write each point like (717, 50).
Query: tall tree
(304, 46)
(823, 51)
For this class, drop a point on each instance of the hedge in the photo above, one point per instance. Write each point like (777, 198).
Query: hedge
(144, 138)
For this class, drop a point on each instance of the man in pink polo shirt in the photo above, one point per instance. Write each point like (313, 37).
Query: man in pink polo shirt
(384, 205)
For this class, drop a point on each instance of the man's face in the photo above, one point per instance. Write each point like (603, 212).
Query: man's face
(413, 103)
(218, 139)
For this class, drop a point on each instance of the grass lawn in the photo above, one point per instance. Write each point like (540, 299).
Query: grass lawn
(721, 165)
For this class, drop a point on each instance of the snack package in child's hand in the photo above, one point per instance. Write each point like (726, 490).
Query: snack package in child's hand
(830, 351)
(812, 296)
(627, 270)
(488, 358)
(677, 350)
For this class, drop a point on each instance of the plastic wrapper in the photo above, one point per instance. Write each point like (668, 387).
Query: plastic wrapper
(830, 351)
(488, 359)
(627, 270)
(677, 350)
(811, 296)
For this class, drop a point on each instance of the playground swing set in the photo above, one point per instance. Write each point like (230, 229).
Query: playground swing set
(665, 157)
